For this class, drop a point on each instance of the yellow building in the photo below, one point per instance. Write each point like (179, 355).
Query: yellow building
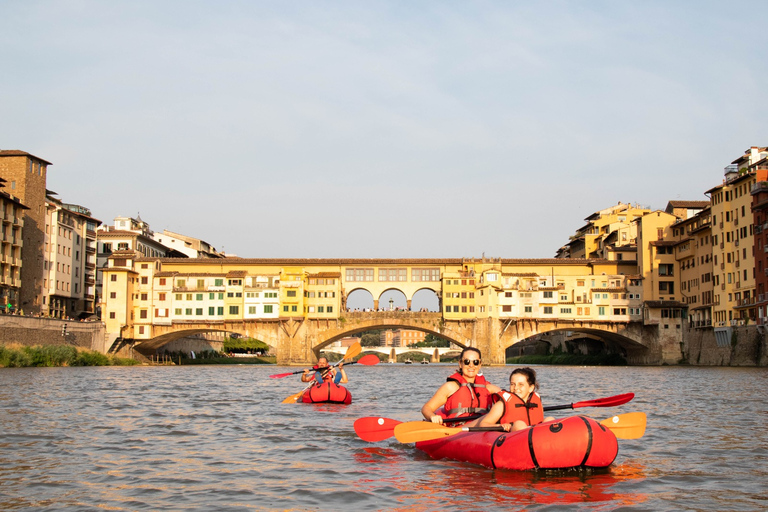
(733, 242)
(605, 230)
(693, 254)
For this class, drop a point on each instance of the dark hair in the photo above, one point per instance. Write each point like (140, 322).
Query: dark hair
(528, 373)
(471, 349)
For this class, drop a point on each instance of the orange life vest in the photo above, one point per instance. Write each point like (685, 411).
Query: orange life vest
(470, 398)
(531, 412)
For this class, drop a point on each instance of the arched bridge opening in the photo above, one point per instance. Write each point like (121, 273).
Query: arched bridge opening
(578, 340)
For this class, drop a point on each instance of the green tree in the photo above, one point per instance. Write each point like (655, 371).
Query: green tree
(370, 339)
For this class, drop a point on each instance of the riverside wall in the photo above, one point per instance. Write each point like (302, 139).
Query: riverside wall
(30, 331)
(748, 347)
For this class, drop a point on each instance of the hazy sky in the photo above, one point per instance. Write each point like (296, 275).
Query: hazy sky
(380, 129)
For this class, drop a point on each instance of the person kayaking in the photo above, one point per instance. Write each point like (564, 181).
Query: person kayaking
(325, 374)
(518, 408)
(465, 393)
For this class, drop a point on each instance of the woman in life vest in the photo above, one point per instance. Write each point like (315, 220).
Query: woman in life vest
(518, 408)
(323, 373)
(465, 393)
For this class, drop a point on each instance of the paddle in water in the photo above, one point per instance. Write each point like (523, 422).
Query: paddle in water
(623, 426)
(352, 351)
(371, 429)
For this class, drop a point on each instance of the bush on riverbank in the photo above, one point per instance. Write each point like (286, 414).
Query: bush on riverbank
(56, 355)
(570, 359)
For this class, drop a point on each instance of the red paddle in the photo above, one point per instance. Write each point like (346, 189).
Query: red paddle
(368, 360)
(610, 401)
(373, 428)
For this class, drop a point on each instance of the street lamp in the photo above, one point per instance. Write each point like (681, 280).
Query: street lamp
(391, 302)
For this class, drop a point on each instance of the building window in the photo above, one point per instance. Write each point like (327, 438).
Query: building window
(113, 278)
(425, 274)
(112, 295)
(211, 310)
(143, 313)
(199, 311)
(234, 310)
(112, 315)
(547, 310)
(392, 274)
(359, 274)
(290, 293)
(528, 309)
(268, 308)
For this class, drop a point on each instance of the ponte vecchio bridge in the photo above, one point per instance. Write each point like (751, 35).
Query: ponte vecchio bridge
(299, 307)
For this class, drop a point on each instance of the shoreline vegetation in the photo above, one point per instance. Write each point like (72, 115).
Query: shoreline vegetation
(22, 356)
(570, 360)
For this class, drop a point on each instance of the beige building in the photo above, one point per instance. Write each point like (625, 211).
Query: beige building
(26, 176)
(127, 236)
(69, 265)
(11, 241)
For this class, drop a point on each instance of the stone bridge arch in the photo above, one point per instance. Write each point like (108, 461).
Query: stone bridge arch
(631, 338)
(151, 346)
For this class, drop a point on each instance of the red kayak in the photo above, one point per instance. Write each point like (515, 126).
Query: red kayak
(327, 393)
(573, 442)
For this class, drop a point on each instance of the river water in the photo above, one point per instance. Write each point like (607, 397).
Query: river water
(219, 438)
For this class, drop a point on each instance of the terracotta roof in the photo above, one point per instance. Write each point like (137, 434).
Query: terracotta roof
(165, 274)
(688, 204)
(325, 274)
(16, 152)
(237, 273)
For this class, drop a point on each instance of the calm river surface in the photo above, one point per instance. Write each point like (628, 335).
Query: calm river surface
(219, 438)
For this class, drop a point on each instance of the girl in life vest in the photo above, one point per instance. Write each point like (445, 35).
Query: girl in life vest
(465, 393)
(519, 408)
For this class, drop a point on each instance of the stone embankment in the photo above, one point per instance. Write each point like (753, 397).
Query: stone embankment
(747, 347)
(31, 331)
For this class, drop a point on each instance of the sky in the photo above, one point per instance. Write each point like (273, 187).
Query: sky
(380, 129)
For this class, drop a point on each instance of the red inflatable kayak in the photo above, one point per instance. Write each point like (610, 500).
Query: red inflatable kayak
(327, 393)
(573, 442)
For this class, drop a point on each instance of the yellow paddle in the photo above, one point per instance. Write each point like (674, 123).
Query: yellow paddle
(627, 426)
(624, 426)
(352, 351)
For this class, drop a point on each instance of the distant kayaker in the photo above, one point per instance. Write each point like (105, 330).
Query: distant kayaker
(465, 393)
(518, 408)
(325, 374)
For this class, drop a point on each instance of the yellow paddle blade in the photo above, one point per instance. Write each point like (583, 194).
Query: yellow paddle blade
(294, 398)
(415, 431)
(627, 426)
(353, 350)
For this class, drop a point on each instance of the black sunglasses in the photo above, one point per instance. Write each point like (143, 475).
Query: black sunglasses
(475, 362)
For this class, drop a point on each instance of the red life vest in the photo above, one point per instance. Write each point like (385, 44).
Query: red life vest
(329, 373)
(469, 398)
(531, 412)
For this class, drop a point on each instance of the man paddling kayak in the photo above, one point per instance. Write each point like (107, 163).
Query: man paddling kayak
(325, 374)
(465, 393)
